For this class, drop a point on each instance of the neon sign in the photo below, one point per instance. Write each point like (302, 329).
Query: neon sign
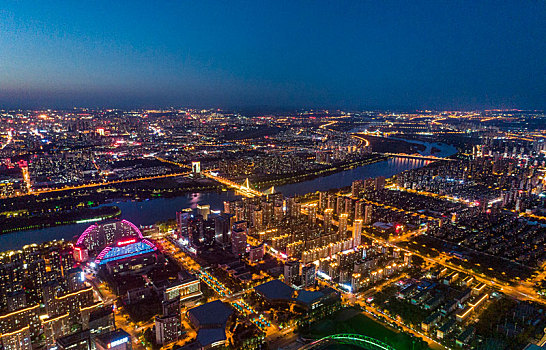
(118, 342)
(126, 242)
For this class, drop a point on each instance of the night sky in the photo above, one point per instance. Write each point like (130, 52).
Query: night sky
(278, 54)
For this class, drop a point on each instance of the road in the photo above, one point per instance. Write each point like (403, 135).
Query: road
(121, 320)
(223, 292)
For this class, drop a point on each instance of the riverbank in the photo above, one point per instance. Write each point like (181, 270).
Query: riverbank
(392, 145)
(305, 176)
(84, 215)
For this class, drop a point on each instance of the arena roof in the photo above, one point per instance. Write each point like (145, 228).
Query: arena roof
(213, 313)
(275, 290)
(125, 249)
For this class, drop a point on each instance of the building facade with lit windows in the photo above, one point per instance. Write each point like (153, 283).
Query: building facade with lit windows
(16, 340)
(15, 321)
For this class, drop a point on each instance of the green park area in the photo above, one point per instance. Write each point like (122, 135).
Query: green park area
(354, 321)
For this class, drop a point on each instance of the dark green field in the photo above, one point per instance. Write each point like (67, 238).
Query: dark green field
(353, 321)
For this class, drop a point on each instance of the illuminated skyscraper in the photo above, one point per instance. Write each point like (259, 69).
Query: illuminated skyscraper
(204, 210)
(359, 210)
(356, 187)
(291, 272)
(340, 205)
(368, 214)
(308, 273)
(342, 232)
(239, 237)
(379, 183)
(357, 232)
(323, 200)
(312, 215)
(328, 215)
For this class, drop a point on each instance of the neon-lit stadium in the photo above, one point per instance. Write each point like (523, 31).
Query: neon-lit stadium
(111, 241)
(355, 340)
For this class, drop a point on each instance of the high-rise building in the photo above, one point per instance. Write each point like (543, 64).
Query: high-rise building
(170, 307)
(359, 209)
(356, 187)
(340, 205)
(291, 272)
(368, 214)
(295, 211)
(55, 327)
(16, 300)
(70, 303)
(357, 232)
(331, 201)
(75, 279)
(328, 216)
(256, 253)
(203, 210)
(278, 212)
(222, 231)
(348, 206)
(182, 219)
(14, 321)
(323, 200)
(342, 232)
(379, 183)
(239, 237)
(258, 220)
(308, 275)
(101, 320)
(167, 329)
(312, 211)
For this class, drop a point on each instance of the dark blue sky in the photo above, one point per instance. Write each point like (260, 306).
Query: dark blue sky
(345, 54)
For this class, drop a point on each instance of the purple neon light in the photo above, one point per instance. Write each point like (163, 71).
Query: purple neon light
(102, 254)
(85, 233)
(90, 228)
(149, 243)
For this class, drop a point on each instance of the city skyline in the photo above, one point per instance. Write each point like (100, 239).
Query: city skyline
(347, 55)
(191, 229)
(195, 175)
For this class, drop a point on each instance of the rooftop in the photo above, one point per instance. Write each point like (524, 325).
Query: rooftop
(276, 290)
(213, 313)
(209, 336)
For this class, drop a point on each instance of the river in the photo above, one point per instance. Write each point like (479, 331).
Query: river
(149, 212)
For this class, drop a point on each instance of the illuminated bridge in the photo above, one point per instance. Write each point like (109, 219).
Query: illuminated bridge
(243, 189)
(417, 156)
(357, 340)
